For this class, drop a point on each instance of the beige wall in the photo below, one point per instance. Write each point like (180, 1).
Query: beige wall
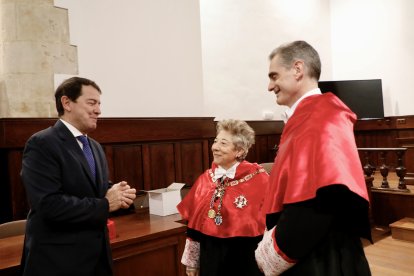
(238, 36)
(375, 39)
(163, 58)
(144, 54)
(34, 45)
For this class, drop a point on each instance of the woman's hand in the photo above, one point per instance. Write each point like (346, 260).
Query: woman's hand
(192, 271)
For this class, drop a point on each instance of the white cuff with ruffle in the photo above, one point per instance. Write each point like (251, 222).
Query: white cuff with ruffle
(268, 259)
(191, 254)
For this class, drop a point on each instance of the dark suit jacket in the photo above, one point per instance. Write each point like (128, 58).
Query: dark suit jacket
(66, 229)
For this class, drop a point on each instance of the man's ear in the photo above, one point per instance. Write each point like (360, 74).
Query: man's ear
(299, 68)
(66, 103)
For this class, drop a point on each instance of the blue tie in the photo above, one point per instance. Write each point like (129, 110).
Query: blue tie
(87, 152)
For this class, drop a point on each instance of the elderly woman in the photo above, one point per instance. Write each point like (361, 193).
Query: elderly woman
(223, 208)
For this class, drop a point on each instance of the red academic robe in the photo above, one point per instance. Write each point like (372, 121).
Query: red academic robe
(317, 149)
(237, 222)
(228, 248)
(317, 196)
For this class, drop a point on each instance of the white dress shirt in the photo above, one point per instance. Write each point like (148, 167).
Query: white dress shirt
(289, 112)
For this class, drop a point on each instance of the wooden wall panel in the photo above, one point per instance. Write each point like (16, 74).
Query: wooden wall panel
(162, 165)
(147, 256)
(378, 139)
(408, 142)
(110, 159)
(20, 205)
(391, 207)
(259, 150)
(272, 145)
(5, 195)
(207, 154)
(149, 153)
(192, 161)
(16, 131)
(127, 165)
(267, 138)
(210, 153)
(177, 162)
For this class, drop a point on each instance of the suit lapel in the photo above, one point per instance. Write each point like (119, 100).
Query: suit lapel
(73, 147)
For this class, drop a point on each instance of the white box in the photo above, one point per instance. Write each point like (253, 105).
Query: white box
(163, 202)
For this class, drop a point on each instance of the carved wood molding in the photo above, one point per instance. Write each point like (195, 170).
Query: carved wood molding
(14, 132)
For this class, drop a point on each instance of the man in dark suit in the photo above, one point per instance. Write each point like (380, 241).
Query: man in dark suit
(66, 180)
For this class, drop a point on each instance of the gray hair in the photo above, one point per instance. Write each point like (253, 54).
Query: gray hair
(243, 134)
(299, 50)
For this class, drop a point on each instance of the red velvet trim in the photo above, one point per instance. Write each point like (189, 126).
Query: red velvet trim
(237, 222)
(280, 252)
(317, 149)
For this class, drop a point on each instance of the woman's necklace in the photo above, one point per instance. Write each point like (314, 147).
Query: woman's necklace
(218, 193)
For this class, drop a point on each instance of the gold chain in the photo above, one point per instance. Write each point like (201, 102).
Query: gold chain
(219, 192)
(244, 179)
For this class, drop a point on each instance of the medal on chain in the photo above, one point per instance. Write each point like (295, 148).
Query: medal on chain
(240, 201)
(218, 193)
(211, 213)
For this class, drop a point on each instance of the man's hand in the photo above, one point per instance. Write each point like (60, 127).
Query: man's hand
(120, 195)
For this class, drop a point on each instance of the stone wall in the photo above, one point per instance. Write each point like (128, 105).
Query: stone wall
(34, 45)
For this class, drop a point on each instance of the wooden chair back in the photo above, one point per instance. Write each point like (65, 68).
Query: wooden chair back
(12, 228)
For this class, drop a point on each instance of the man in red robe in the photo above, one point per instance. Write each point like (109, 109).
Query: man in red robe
(317, 202)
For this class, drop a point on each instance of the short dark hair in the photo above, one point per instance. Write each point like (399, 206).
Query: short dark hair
(71, 88)
(302, 50)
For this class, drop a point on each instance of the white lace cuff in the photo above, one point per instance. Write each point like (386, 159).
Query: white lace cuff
(191, 254)
(268, 259)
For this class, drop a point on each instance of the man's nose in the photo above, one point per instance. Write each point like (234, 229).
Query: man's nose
(98, 110)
